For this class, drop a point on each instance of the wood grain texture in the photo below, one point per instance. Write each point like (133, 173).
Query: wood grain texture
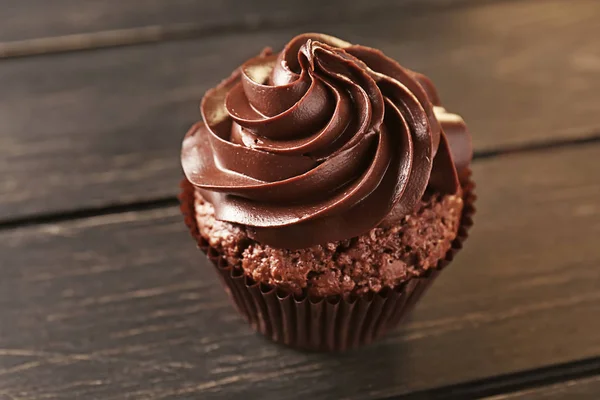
(99, 128)
(123, 306)
(22, 20)
(580, 389)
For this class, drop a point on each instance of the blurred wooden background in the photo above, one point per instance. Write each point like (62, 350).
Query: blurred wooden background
(103, 295)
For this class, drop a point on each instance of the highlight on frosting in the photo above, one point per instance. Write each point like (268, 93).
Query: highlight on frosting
(322, 142)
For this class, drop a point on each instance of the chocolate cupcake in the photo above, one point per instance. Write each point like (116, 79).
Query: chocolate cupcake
(329, 187)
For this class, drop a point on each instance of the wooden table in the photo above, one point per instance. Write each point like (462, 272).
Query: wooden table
(103, 294)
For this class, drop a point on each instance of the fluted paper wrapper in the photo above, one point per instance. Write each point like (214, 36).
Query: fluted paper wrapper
(322, 324)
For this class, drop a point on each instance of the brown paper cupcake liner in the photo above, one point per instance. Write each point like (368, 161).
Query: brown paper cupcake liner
(334, 323)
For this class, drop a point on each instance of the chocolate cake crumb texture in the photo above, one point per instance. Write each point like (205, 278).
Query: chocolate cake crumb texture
(383, 257)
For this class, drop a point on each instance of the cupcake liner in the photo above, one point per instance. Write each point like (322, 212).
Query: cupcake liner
(333, 324)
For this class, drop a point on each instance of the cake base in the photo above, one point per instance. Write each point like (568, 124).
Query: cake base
(334, 323)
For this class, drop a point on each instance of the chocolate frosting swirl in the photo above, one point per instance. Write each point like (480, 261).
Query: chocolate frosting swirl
(321, 142)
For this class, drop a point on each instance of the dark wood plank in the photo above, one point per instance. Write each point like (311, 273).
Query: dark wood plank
(580, 389)
(104, 127)
(123, 306)
(22, 20)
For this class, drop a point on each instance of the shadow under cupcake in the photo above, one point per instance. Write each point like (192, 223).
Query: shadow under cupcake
(329, 187)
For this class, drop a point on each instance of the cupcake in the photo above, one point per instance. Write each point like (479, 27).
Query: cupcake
(329, 187)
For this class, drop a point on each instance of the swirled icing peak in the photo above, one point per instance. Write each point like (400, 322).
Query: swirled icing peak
(321, 142)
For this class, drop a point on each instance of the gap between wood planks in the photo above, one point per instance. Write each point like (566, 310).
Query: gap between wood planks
(504, 384)
(182, 31)
(61, 216)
